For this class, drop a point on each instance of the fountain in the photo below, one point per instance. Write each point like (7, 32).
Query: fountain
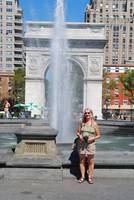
(61, 88)
(47, 45)
(72, 53)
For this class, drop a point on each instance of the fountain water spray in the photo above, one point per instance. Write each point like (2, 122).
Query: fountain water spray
(61, 92)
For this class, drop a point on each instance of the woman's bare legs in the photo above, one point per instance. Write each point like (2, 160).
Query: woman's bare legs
(82, 165)
(90, 167)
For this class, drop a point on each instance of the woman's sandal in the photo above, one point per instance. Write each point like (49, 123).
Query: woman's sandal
(81, 180)
(90, 180)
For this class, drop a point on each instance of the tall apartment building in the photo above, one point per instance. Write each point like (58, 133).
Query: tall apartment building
(11, 42)
(118, 15)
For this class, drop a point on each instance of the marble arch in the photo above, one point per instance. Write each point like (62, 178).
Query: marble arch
(86, 43)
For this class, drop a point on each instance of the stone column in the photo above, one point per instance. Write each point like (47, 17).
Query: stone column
(34, 88)
(93, 85)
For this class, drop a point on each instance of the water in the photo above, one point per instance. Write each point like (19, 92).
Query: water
(61, 92)
(7, 140)
(111, 142)
(108, 142)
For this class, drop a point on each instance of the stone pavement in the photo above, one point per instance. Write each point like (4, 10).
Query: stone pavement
(46, 184)
(33, 178)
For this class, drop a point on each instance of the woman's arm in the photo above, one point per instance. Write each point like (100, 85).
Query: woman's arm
(78, 133)
(97, 131)
(97, 134)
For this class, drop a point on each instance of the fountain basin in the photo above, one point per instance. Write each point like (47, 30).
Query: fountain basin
(36, 140)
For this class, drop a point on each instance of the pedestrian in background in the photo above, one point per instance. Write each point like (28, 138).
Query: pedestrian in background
(6, 109)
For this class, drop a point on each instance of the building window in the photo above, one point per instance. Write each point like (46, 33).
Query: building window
(9, 10)
(115, 46)
(9, 3)
(131, 28)
(131, 10)
(116, 69)
(131, 4)
(108, 80)
(126, 69)
(9, 65)
(114, 6)
(9, 24)
(130, 40)
(124, 40)
(108, 69)
(9, 39)
(116, 102)
(9, 17)
(101, 11)
(115, 28)
(124, 7)
(116, 91)
(123, 45)
(8, 32)
(8, 59)
(130, 34)
(117, 79)
(125, 102)
(124, 28)
(9, 46)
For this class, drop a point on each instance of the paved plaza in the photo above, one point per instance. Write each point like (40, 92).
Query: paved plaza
(109, 184)
(36, 177)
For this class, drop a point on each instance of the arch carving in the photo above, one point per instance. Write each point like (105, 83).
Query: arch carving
(32, 62)
(95, 66)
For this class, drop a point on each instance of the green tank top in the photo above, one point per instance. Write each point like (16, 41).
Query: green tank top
(87, 131)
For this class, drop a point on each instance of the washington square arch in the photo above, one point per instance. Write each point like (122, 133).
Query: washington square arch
(86, 51)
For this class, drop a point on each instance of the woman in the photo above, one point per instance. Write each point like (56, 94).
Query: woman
(6, 108)
(88, 132)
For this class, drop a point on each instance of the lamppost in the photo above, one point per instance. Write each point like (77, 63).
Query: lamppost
(107, 104)
(119, 111)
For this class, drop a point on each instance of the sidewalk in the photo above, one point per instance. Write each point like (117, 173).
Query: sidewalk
(35, 184)
(34, 178)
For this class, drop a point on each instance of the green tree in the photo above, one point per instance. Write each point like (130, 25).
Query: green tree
(127, 80)
(107, 96)
(19, 85)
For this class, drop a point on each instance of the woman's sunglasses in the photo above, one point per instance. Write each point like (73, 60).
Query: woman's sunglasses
(87, 113)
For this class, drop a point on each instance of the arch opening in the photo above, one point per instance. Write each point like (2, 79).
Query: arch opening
(76, 90)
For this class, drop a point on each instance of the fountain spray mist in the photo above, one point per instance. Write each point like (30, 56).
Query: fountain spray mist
(61, 93)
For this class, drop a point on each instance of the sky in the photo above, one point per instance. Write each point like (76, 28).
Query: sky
(43, 10)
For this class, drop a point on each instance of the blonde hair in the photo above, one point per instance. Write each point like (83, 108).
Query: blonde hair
(89, 110)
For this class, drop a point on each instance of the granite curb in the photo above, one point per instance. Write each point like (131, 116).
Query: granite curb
(124, 160)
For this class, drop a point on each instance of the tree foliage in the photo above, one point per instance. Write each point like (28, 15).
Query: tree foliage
(19, 85)
(107, 96)
(128, 85)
